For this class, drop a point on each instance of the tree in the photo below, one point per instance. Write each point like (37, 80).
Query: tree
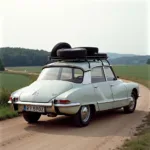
(148, 61)
(1, 66)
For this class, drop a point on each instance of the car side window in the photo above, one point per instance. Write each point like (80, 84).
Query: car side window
(66, 74)
(78, 73)
(109, 74)
(97, 75)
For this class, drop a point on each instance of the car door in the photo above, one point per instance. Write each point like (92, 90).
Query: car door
(118, 88)
(102, 89)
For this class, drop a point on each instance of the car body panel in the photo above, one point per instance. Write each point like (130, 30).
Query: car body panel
(43, 91)
(84, 94)
(103, 95)
(119, 91)
(130, 86)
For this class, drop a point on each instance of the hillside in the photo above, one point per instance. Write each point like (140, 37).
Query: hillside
(11, 56)
(132, 60)
(116, 55)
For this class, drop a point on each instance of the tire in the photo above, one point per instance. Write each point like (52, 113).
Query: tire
(131, 107)
(71, 53)
(90, 50)
(79, 120)
(31, 117)
(59, 46)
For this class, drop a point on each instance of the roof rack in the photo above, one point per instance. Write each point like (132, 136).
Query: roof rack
(98, 56)
(88, 59)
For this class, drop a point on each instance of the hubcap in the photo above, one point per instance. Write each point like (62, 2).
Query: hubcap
(85, 113)
(132, 103)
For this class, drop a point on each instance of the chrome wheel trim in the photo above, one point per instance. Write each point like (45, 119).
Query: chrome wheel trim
(85, 113)
(132, 104)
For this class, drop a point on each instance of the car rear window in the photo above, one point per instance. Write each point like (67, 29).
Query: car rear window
(62, 73)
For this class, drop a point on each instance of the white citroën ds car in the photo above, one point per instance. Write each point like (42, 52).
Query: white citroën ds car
(78, 82)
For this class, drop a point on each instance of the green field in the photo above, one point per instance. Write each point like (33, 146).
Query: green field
(142, 72)
(10, 82)
(13, 81)
(139, 73)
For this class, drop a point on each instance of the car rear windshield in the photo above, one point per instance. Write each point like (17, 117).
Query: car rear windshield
(62, 73)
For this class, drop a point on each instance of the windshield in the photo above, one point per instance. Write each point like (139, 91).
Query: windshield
(62, 73)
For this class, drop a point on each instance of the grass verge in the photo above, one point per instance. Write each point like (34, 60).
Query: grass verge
(141, 141)
(6, 112)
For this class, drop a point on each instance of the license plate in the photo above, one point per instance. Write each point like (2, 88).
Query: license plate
(34, 108)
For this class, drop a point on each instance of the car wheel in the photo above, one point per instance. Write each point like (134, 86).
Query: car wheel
(131, 107)
(83, 117)
(31, 117)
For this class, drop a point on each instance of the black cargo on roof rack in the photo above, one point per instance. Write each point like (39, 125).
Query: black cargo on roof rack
(77, 54)
(64, 52)
(90, 50)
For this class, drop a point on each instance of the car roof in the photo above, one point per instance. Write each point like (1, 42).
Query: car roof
(83, 65)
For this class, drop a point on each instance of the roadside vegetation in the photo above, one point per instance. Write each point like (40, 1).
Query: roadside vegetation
(1, 66)
(10, 82)
(141, 140)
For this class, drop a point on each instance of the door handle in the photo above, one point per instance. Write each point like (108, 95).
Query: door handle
(95, 87)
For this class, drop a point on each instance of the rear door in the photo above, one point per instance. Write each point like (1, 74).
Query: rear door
(118, 88)
(102, 89)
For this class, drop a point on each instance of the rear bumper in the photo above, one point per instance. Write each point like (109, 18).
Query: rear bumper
(69, 109)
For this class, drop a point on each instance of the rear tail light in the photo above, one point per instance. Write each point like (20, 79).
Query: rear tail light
(10, 98)
(13, 99)
(62, 101)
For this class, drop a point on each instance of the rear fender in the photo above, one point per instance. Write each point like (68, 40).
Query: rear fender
(85, 95)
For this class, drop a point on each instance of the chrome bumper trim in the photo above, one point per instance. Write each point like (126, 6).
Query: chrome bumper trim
(29, 103)
(67, 105)
(45, 104)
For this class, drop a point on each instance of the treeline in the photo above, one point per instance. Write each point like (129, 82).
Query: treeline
(23, 57)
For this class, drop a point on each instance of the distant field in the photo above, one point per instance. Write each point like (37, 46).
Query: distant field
(140, 74)
(13, 81)
(28, 69)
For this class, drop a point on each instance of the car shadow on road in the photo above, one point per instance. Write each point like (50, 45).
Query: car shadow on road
(103, 124)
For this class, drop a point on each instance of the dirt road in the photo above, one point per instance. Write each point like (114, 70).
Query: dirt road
(105, 132)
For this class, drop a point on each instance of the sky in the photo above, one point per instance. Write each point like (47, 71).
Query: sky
(119, 26)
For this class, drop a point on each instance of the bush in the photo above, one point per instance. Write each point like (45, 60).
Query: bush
(4, 97)
(1, 66)
(6, 112)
